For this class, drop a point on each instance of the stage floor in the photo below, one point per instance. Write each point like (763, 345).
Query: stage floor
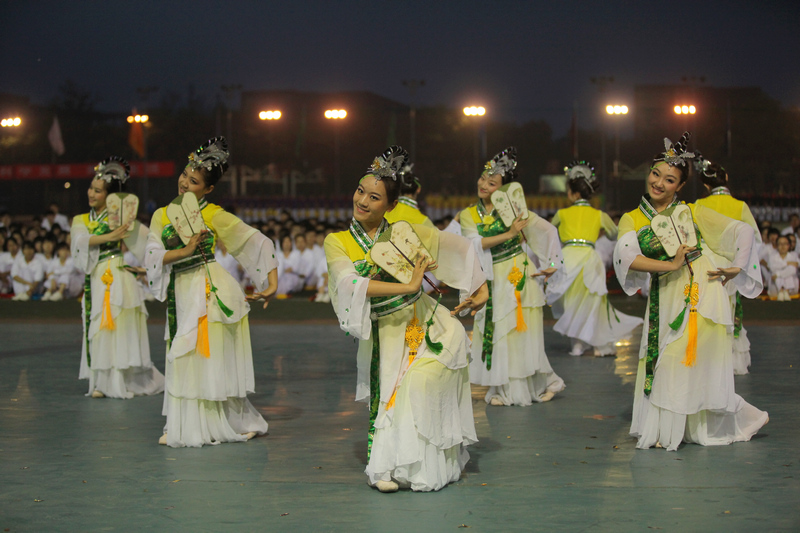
(72, 463)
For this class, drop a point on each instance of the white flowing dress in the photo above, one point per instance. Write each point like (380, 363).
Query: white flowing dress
(695, 403)
(420, 441)
(205, 400)
(115, 361)
(520, 372)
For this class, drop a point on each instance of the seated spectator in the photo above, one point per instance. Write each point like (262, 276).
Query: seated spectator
(289, 274)
(27, 273)
(7, 258)
(64, 281)
(783, 266)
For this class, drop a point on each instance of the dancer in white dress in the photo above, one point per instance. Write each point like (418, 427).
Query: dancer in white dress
(508, 339)
(209, 366)
(115, 357)
(684, 386)
(715, 180)
(418, 390)
(581, 303)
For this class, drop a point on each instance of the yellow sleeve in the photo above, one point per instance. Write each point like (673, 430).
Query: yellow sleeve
(231, 230)
(608, 225)
(626, 225)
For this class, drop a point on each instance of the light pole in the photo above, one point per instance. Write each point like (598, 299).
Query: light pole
(336, 115)
(142, 121)
(413, 85)
(229, 92)
(480, 134)
(615, 110)
(688, 111)
(270, 115)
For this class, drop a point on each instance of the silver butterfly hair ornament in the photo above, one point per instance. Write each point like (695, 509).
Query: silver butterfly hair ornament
(581, 170)
(502, 163)
(703, 165)
(389, 164)
(676, 154)
(113, 168)
(212, 154)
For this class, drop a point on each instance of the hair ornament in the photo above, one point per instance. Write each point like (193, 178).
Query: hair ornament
(676, 154)
(582, 170)
(502, 163)
(212, 154)
(113, 168)
(389, 164)
(704, 166)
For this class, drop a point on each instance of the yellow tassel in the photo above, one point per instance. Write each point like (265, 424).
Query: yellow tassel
(107, 322)
(693, 292)
(514, 277)
(521, 325)
(414, 337)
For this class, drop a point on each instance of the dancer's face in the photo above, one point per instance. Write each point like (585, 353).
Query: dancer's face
(193, 181)
(488, 184)
(97, 195)
(663, 182)
(370, 202)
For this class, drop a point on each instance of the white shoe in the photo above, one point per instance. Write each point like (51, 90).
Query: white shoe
(578, 348)
(163, 439)
(57, 297)
(46, 296)
(386, 486)
(23, 297)
(496, 401)
(547, 396)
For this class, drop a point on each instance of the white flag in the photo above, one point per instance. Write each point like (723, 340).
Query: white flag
(54, 136)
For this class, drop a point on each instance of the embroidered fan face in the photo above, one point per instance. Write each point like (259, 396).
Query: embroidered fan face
(97, 194)
(370, 202)
(193, 180)
(663, 182)
(488, 184)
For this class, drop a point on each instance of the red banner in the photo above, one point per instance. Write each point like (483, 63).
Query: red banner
(154, 169)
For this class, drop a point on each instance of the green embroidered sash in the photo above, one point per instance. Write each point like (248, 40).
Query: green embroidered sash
(172, 241)
(651, 247)
(107, 251)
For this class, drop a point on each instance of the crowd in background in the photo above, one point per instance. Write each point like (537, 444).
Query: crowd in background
(35, 262)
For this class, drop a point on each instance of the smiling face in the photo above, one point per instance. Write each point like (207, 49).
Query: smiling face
(193, 181)
(663, 182)
(488, 184)
(97, 194)
(370, 202)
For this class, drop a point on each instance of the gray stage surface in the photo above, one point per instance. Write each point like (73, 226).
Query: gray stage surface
(71, 463)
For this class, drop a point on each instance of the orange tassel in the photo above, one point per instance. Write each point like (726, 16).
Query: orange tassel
(107, 322)
(692, 291)
(521, 325)
(202, 337)
(202, 328)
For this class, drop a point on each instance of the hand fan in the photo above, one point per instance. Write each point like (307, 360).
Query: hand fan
(674, 226)
(122, 209)
(184, 214)
(509, 202)
(398, 249)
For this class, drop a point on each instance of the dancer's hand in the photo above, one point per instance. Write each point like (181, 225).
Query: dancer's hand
(726, 274)
(680, 256)
(547, 272)
(518, 225)
(474, 302)
(196, 239)
(265, 295)
(418, 275)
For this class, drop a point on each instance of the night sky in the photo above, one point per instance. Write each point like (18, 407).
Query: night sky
(522, 60)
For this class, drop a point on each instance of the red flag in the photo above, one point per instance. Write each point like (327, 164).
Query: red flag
(136, 139)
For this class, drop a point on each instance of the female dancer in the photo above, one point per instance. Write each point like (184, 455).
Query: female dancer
(684, 387)
(581, 303)
(412, 355)
(209, 366)
(115, 356)
(508, 340)
(407, 207)
(720, 200)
